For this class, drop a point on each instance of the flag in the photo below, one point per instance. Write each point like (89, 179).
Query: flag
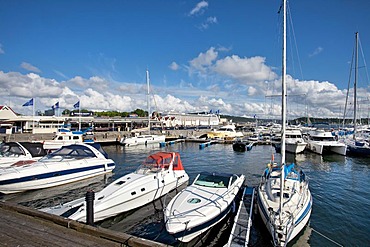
(77, 105)
(28, 103)
(56, 106)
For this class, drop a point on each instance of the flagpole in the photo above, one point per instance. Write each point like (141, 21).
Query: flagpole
(79, 113)
(33, 115)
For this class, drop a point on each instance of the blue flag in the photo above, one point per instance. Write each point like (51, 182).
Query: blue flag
(56, 106)
(77, 105)
(28, 103)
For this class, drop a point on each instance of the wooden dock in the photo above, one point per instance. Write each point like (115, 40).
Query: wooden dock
(22, 226)
(243, 220)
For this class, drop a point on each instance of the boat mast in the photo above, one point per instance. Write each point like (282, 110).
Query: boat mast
(355, 89)
(148, 99)
(283, 110)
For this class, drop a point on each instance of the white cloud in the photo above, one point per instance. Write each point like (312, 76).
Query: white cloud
(1, 49)
(317, 51)
(246, 70)
(199, 8)
(205, 25)
(174, 66)
(30, 67)
(203, 60)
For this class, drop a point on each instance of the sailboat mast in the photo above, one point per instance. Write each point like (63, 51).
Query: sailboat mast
(355, 89)
(148, 99)
(283, 109)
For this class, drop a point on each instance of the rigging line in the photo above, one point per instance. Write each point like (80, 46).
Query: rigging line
(295, 40)
(349, 82)
(363, 58)
(326, 237)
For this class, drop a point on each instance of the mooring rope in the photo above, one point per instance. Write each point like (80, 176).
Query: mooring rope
(326, 237)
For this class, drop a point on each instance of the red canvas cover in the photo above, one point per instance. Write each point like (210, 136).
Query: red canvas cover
(163, 159)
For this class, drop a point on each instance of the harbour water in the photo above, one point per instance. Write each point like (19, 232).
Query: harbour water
(339, 186)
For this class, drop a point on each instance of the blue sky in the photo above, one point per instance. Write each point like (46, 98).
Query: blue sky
(202, 55)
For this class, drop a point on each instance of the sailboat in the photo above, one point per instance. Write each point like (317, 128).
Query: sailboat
(357, 145)
(144, 139)
(283, 197)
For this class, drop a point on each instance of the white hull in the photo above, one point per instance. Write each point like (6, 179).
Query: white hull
(198, 208)
(52, 181)
(126, 193)
(143, 140)
(121, 200)
(296, 209)
(295, 148)
(54, 170)
(321, 147)
(320, 141)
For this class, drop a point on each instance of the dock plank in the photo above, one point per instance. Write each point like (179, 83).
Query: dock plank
(241, 230)
(21, 230)
(22, 226)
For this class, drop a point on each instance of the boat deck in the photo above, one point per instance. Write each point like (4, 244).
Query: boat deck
(243, 220)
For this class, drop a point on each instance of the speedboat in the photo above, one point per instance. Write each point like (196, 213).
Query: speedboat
(67, 137)
(241, 145)
(68, 164)
(142, 140)
(320, 141)
(21, 152)
(159, 174)
(284, 215)
(294, 142)
(201, 205)
(225, 132)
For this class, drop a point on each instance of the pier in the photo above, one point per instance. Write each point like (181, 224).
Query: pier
(243, 220)
(23, 226)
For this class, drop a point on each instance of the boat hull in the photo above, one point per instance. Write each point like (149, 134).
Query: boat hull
(159, 174)
(295, 147)
(197, 208)
(143, 140)
(302, 221)
(322, 148)
(123, 201)
(42, 175)
(285, 223)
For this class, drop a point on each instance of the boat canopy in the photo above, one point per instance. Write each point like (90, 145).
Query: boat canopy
(73, 151)
(164, 160)
(14, 148)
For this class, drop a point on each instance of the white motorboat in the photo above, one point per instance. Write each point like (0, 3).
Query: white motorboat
(20, 153)
(294, 142)
(159, 174)
(201, 205)
(284, 198)
(142, 140)
(321, 141)
(67, 164)
(67, 137)
(224, 132)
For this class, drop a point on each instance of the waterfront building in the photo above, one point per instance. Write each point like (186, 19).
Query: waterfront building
(10, 122)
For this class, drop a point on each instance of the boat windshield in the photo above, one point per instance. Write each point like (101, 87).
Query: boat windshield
(154, 165)
(212, 180)
(70, 152)
(10, 150)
